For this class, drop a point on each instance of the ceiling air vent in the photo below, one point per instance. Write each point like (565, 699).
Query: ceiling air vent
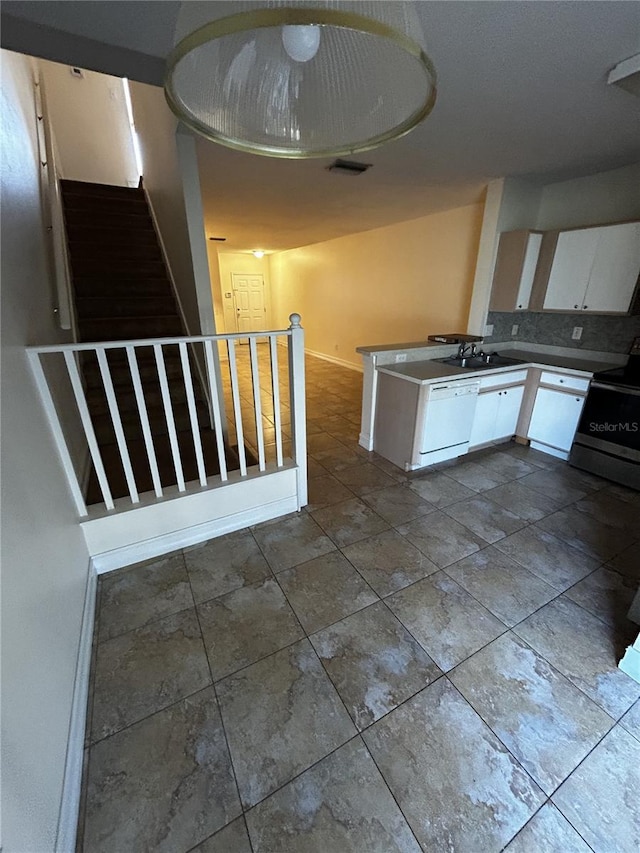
(349, 167)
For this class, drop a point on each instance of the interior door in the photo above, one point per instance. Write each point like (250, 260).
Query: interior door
(249, 301)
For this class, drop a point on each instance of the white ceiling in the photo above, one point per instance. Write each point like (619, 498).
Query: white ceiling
(522, 91)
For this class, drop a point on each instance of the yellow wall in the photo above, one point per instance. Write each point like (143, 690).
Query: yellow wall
(392, 284)
(241, 262)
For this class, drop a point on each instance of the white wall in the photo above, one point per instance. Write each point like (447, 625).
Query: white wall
(604, 197)
(163, 180)
(247, 264)
(90, 122)
(44, 556)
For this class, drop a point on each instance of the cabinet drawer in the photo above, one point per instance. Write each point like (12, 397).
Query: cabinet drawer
(564, 381)
(497, 380)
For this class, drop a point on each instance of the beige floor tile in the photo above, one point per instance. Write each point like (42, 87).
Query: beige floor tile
(600, 798)
(448, 623)
(607, 594)
(281, 715)
(179, 759)
(388, 562)
(442, 539)
(506, 464)
(364, 478)
(457, 785)
(543, 719)
(292, 540)
(485, 518)
(631, 720)
(398, 504)
(245, 625)
(599, 540)
(349, 521)
(555, 483)
(505, 588)
(325, 590)
(532, 457)
(476, 477)
(147, 669)
(326, 491)
(321, 441)
(613, 511)
(585, 650)
(374, 663)
(548, 832)
(525, 503)
(232, 839)
(440, 490)
(222, 565)
(341, 805)
(628, 561)
(548, 557)
(132, 597)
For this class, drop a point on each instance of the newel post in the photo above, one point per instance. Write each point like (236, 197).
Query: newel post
(298, 405)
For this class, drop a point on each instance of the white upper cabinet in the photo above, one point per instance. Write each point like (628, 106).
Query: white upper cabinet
(515, 269)
(615, 269)
(594, 269)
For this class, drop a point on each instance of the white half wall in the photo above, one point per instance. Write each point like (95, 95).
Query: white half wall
(91, 126)
(45, 560)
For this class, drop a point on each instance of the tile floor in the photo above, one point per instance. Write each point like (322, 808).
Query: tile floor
(422, 662)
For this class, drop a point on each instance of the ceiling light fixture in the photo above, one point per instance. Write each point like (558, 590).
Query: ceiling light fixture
(300, 79)
(258, 253)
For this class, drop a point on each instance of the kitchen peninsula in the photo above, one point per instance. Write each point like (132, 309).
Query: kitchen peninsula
(417, 410)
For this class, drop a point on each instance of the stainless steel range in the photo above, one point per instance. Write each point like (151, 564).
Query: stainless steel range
(607, 440)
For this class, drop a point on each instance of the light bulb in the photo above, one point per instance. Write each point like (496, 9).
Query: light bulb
(258, 253)
(301, 41)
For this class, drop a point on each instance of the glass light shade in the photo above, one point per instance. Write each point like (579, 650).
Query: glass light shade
(300, 79)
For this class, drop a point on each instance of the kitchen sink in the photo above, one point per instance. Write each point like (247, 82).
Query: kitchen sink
(480, 362)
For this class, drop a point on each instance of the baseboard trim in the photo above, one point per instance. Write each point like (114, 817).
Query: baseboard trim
(156, 547)
(630, 663)
(334, 360)
(72, 785)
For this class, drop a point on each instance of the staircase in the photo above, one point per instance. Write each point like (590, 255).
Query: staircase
(122, 292)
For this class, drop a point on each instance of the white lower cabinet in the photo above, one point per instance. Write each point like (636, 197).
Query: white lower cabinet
(555, 418)
(496, 415)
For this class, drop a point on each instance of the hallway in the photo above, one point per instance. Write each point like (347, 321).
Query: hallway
(421, 661)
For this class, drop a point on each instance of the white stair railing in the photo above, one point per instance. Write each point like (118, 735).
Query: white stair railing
(133, 436)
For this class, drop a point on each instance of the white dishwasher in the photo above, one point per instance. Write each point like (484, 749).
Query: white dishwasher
(449, 408)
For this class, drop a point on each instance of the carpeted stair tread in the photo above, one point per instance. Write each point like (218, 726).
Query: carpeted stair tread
(123, 292)
(142, 472)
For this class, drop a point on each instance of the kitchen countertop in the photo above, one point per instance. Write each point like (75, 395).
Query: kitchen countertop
(401, 346)
(538, 359)
(426, 372)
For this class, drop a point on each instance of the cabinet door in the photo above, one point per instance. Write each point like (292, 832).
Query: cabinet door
(571, 268)
(509, 404)
(529, 264)
(484, 421)
(615, 269)
(515, 268)
(555, 418)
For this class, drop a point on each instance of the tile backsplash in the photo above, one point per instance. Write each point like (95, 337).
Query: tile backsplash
(602, 332)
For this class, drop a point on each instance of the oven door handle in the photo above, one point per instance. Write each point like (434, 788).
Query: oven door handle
(619, 389)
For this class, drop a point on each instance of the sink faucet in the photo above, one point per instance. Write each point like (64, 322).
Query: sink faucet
(463, 350)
